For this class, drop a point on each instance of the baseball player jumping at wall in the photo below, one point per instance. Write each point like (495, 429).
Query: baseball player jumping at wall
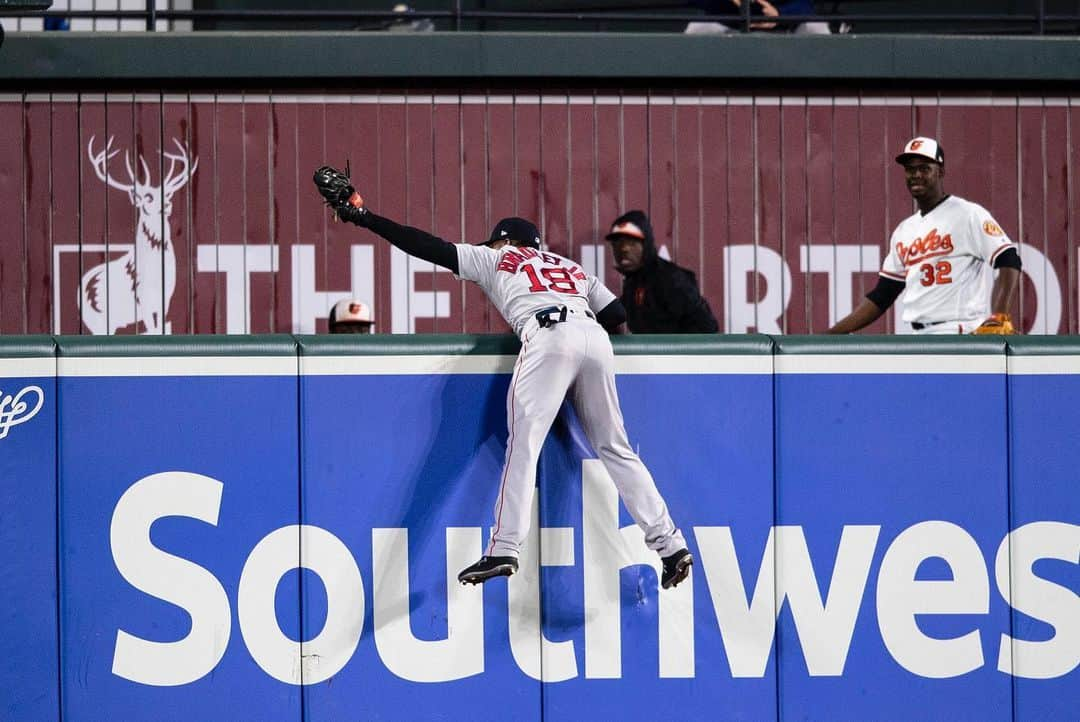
(941, 259)
(562, 316)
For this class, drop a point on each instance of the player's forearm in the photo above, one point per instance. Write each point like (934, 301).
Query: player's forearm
(414, 241)
(613, 318)
(865, 314)
(1001, 298)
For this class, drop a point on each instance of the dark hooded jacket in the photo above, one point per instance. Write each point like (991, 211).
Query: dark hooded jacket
(661, 297)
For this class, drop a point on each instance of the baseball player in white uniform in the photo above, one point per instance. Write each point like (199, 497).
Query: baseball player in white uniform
(560, 313)
(941, 258)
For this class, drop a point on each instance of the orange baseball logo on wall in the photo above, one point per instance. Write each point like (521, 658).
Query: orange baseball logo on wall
(992, 229)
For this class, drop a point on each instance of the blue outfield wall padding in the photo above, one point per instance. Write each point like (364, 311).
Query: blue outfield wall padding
(28, 594)
(897, 491)
(402, 468)
(602, 640)
(171, 476)
(271, 527)
(1044, 463)
(706, 437)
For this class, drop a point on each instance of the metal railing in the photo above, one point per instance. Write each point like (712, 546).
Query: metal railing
(179, 14)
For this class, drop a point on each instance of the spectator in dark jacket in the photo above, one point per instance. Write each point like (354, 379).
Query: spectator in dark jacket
(659, 296)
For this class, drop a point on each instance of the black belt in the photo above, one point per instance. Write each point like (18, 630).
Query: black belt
(920, 326)
(552, 315)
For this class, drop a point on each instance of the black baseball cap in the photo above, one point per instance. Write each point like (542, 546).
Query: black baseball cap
(515, 229)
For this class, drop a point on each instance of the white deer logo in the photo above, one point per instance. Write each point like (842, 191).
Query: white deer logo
(138, 285)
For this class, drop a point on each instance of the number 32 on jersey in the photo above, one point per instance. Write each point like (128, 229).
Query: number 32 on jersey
(931, 274)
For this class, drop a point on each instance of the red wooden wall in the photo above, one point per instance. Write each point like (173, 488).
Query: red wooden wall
(782, 204)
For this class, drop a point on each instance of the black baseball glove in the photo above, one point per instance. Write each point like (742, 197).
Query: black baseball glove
(337, 190)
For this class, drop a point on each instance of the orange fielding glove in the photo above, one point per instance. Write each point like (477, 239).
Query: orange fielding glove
(999, 324)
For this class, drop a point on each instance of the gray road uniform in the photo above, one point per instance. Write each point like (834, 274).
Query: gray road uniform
(560, 313)
(552, 304)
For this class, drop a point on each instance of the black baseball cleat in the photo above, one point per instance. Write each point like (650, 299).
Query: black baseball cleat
(487, 568)
(676, 568)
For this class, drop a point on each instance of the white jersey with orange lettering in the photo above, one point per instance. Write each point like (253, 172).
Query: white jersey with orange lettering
(569, 357)
(521, 280)
(946, 259)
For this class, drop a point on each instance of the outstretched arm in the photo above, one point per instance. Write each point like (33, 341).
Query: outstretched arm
(337, 189)
(413, 241)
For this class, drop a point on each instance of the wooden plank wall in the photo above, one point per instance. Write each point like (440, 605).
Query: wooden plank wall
(782, 204)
